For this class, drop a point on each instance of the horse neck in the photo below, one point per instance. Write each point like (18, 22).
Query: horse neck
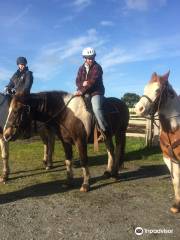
(4, 106)
(46, 106)
(169, 112)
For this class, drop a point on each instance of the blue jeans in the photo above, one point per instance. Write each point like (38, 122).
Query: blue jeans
(97, 105)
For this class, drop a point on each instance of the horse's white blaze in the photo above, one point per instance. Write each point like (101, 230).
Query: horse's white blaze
(10, 110)
(144, 104)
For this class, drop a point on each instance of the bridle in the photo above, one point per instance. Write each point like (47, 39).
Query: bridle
(155, 105)
(18, 121)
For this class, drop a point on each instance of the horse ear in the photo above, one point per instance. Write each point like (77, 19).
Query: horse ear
(165, 76)
(154, 75)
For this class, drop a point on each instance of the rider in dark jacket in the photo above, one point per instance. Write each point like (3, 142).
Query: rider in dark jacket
(22, 79)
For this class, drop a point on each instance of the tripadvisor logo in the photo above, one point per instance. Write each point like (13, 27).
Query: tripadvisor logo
(138, 231)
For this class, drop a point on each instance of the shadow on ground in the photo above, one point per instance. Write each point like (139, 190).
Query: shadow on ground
(60, 186)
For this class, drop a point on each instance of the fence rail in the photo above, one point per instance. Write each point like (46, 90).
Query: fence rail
(141, 127)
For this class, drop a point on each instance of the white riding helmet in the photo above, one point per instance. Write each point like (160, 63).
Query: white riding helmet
(88, 52)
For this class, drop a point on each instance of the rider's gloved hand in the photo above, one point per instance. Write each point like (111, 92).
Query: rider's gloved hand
(13, 91)
(10, 91)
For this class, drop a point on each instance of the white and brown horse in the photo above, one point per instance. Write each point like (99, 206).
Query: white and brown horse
(160, 97)
(73, 124)
(45, 133)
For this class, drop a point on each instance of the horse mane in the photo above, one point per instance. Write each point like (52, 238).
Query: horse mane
(42, 101)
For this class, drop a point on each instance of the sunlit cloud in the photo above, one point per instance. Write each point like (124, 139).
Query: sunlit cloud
(144, 5)
(106, 23)
(150, 49)
(53, 55)
(79, 5)
(19, 17)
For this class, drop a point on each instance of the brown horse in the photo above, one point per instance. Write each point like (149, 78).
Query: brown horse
(73, 124)
(160, 97)
(45, 133)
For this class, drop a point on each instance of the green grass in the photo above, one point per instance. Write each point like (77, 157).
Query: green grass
(27, 169)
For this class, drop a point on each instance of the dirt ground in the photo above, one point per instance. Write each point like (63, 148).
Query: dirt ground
(112, 210)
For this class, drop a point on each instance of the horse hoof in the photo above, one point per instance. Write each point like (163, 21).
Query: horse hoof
(107, 174)
(3, 179)
(85, 188)
(115, 175)
(174, 209)
(48, 167)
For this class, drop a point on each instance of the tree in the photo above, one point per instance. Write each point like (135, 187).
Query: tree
(130, 99)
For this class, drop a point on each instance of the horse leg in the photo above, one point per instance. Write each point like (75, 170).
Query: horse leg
(120, 140)
(110, 170)
(68, 162)
(48, 139)
(5, 157)
(82, 149)
(175, 172)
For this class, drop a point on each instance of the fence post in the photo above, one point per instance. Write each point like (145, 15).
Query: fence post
(152, 133)
(149, 132)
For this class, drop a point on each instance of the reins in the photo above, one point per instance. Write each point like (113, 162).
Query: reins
(61, 110)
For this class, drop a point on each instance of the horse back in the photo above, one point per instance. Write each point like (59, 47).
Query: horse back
(117, 113)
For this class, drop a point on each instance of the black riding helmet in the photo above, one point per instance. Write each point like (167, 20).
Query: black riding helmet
(21, 60)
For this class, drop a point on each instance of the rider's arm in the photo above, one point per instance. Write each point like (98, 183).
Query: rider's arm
(28, 82)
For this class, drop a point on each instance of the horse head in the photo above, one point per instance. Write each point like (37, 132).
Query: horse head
(151, 99)
(18, 120)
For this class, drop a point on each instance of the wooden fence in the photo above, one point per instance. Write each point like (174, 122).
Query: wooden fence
(142, 127)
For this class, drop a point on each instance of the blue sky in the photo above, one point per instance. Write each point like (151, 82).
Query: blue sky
(132, 38)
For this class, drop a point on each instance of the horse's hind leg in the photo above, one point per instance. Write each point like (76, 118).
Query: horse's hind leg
(5, 157)
(175, 172)
(82, 149)
(68, 162)
(120, 139)
(110, 170)
(48, 139)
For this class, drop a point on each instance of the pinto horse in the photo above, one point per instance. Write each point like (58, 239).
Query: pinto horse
(73, 124)
(160, 97)
(45, 133)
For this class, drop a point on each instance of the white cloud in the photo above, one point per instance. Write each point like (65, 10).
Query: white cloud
(19, 17)
(146, 50)
(144, 5)
(81, 4)
(53, 55)
(106, 23)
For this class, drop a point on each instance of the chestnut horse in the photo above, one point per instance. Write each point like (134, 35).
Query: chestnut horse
(45, 133)
(73, 124)
(160, 97)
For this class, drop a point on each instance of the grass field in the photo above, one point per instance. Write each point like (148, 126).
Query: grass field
(27, 168)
